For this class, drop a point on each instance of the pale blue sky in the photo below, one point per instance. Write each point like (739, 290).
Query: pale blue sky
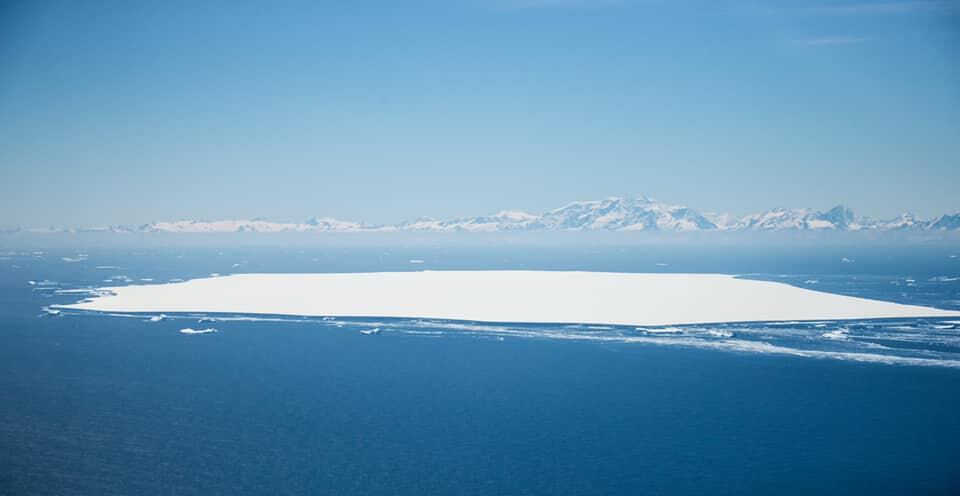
(130, 112)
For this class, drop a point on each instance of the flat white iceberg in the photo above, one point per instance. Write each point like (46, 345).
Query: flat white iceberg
(504, 296)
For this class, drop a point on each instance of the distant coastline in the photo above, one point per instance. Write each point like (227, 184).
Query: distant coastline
(611, 214)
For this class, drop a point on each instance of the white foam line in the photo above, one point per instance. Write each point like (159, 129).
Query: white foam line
(761, 347)
(426, 328)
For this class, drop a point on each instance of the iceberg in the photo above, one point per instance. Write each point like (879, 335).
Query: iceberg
(555, 297)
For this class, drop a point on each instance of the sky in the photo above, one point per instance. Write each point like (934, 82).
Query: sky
(129, 112)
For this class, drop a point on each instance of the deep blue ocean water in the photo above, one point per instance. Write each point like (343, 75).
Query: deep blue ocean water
(95, 404)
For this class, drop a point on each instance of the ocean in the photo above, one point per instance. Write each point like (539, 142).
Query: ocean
(119, 404)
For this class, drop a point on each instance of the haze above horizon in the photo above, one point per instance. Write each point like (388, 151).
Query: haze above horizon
(132, 112)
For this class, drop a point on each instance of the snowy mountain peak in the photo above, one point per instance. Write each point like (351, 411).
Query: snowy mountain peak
(619, 214)
(609, 214)
(779, 219)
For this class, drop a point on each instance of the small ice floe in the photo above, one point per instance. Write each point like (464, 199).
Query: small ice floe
(234, 266)
(205, 320)
(176, 280)
(811, 281)
(146, 279)
(820, 326)
(720, 333)
(328, 318)
(106, 267)
(943, 326)
(662, 264)
(157, 318)
(663, 330)
(52, 312)
(214, 274)
(847, 260)
(944, 279)
(32, 283)
(837, 335)
(902, 328)
(189, 330)
(73, 259)
(416, 261)
(371, 332)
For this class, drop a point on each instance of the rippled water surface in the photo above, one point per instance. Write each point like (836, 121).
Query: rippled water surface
(159, 404)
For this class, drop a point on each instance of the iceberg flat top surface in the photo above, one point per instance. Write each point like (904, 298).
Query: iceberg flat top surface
(504, 296)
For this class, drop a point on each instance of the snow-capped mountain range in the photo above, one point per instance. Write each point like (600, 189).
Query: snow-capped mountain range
(611, 214)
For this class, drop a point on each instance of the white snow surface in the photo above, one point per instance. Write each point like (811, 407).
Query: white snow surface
(504, 296)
